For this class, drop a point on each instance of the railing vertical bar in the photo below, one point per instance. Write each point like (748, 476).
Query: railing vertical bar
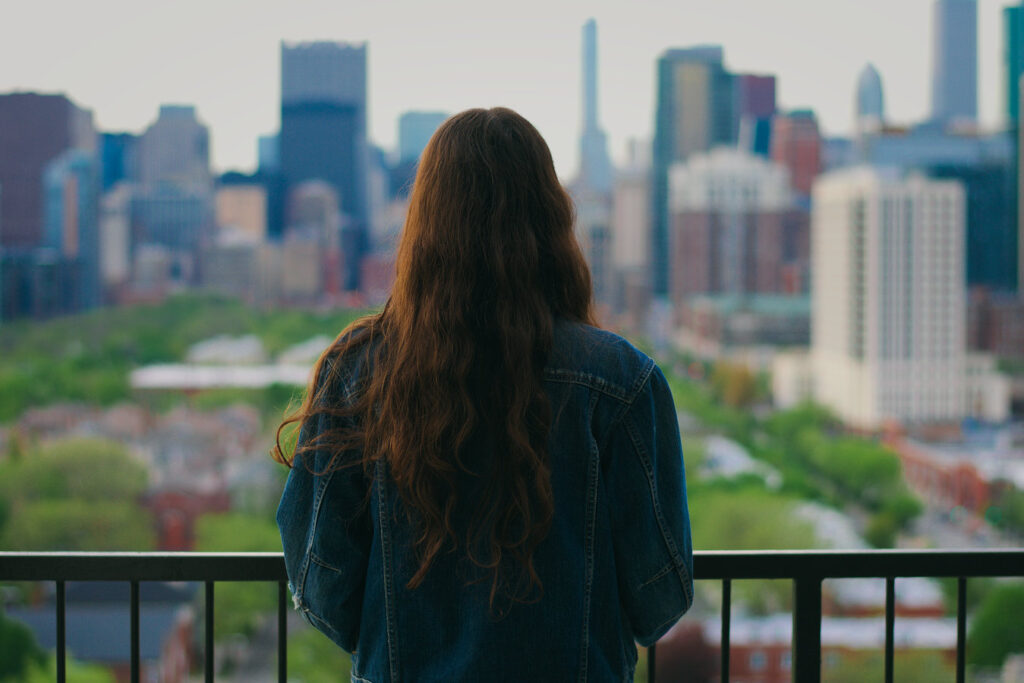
(282, 632)
(651, 668)
(726, 627)
(807, 629)
(208, 634)
(961, 629)
(890, 626)
(61, 634)
(135, 677)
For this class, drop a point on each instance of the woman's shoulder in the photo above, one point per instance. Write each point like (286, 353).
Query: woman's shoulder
(603, 358)
(347, 358)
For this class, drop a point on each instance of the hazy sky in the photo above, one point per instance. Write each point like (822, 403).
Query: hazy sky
(122, 58)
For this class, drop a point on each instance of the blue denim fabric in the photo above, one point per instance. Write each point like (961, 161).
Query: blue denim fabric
(616, 567)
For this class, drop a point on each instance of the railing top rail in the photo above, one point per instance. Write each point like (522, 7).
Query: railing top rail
(756, 564)
(857, 563)
(149, 566)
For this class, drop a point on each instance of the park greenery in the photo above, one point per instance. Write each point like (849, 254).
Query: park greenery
(997, 629)
(806, 444)
(74, 494)
(89, 357)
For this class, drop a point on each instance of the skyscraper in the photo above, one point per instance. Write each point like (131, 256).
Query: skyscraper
(595, 166)
(755, 107)
(954, 60)
(34, 130)
(1013, 60)
(695, 110)
(889, 316)
(323, 133)
(175, 149)
(870, 100)
(732, 223)
(415, 129)
(173, 206)
(71, 227)
(796, 144)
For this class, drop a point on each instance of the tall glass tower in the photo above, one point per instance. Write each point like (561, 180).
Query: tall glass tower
(323, 133)
(955, 60)
(595, 166)
(695, 110)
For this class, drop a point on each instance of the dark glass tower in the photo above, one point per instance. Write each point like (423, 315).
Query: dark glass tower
(696, 110)
(323, 133)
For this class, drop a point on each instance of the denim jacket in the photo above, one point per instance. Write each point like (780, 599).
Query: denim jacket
(616, 566)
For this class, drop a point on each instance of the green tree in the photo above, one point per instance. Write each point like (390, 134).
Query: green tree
(75, 494)
(909, 666)
(75, 671)
(77, 524)
(734, 384)
(313, 658)
(19, 652)
(997, 629)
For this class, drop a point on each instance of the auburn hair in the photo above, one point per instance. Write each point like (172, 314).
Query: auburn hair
(454, 362)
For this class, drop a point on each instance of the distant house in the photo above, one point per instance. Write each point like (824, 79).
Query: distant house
(98, 627)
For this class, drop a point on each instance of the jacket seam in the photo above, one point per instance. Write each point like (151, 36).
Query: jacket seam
(588, 380)
(593, 471)
(670, 544)
(318, 498)
(316, 559)
(385, 549)
(657, 575)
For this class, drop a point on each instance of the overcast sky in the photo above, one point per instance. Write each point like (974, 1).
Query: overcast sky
(122, 58)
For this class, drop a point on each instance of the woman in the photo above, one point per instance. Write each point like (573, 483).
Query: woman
(486, 487)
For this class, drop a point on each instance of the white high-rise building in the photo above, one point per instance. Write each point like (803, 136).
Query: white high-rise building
(888, 311)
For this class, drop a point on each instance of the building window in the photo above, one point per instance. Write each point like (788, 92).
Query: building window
(786, 661)
(757, 660)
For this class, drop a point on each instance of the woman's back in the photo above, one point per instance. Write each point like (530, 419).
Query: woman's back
(615, 565)
(485, 486)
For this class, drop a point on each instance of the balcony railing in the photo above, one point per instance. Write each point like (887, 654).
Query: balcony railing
(807, 570)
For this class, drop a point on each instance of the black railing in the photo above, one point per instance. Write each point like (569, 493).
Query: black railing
(806, 568)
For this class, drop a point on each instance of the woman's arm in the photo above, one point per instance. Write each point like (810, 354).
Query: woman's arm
(650, 521)
(326, 533)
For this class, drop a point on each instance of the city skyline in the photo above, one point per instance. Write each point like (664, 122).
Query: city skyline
(476, 56)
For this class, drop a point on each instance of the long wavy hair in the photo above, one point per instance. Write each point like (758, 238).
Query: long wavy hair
(486, 262)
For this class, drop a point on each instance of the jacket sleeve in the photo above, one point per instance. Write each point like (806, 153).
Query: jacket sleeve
(649, 517)
(326, 534)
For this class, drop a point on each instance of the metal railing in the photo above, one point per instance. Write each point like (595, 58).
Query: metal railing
(806, 568)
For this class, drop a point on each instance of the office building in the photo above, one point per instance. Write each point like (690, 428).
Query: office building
(173, 204)
(71, 227)
(240, 207)
(755, 108)
(631, 241)
(734, 228)
(695, 110)
(797, 145)
(115, 239)
(991, 230)
(34, 130)
(173, 217)
(415, 128)
(175, 150)
(118, 158)
(955, 61)
(323, 133)
(888, 322)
